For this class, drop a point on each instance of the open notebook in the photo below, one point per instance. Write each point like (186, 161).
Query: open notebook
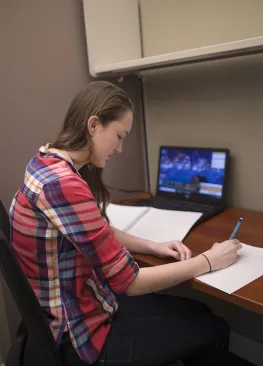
(152, 223)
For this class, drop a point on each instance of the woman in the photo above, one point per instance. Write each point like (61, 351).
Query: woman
(81, 269)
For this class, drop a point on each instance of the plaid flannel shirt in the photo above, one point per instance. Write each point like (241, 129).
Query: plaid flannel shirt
(68, 252)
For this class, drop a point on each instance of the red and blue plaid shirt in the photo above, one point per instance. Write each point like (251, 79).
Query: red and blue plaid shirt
(68, 252)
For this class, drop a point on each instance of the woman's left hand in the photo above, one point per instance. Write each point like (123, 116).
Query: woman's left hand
(175, 249)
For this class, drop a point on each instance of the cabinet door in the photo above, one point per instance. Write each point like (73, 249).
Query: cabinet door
(112, 31)
(177, 25)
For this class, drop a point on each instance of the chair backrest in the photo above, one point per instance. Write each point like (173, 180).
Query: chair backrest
(32, 314)
(4, 221)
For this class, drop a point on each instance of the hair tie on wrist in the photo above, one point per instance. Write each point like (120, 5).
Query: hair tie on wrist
(208, 262)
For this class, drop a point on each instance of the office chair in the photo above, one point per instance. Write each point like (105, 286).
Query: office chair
(34, 344)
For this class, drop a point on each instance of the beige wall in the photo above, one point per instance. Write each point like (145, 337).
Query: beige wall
(176, 25)
(212, 104)
(43, 64)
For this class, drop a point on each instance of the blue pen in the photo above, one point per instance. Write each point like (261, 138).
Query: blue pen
(235, 229)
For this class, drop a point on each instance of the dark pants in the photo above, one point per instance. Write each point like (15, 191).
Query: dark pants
(159, 330)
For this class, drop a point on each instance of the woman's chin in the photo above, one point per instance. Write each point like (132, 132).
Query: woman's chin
(100, 164)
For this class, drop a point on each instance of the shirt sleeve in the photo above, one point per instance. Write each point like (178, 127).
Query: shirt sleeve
(70, 206)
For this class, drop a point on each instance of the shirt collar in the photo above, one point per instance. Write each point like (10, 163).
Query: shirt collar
(45, 149)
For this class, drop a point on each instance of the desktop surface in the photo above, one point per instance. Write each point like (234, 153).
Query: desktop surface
(218, 229)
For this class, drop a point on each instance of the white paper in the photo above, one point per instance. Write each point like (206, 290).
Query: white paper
(122, 217)
(246, 269)
(164, 225)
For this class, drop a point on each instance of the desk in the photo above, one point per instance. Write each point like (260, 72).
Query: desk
(217, 229)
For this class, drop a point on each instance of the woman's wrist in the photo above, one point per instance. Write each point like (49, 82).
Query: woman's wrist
(208, 261)
(204, 266)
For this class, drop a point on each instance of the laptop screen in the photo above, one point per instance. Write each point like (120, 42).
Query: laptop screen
(192, 171)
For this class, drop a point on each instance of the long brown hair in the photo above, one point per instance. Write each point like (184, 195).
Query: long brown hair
(109, 103)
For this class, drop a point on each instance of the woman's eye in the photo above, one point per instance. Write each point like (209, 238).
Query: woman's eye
(119, 137)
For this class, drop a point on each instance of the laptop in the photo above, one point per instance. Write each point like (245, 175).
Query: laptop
(191, 179)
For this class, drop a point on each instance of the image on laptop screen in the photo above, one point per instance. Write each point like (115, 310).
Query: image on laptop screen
(192, 171)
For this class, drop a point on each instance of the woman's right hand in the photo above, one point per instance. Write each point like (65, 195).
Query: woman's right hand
(223, 254)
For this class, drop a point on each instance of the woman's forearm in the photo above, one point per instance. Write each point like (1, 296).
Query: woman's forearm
(134, 244)
(152, 279)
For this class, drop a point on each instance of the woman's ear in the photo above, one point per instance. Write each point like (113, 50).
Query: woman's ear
(92, 124)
